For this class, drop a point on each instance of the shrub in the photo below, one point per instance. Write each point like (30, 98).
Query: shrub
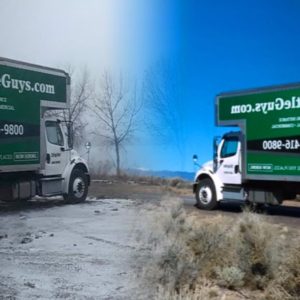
(181, 249)
(244, 252)
(207, 291)
(175, 181)
(230, 277)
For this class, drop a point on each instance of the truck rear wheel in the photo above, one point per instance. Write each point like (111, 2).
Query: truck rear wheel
(78, 187)
(206, 195)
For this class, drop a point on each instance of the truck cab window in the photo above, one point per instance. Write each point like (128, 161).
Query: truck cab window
(229, 147)
(54, 134)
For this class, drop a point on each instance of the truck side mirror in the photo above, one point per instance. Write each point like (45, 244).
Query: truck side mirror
(70, 135)
(217, 140)
(195, 158)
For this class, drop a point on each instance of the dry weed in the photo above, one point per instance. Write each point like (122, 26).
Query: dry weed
(205, 292)
(246, 252)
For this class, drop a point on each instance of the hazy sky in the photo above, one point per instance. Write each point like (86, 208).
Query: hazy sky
(100, 34)
(220, 45)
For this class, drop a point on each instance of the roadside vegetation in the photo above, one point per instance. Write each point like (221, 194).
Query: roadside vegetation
(169, 184)
(217, 257)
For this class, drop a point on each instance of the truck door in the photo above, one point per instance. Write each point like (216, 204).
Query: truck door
(229, 169)
(56, 144)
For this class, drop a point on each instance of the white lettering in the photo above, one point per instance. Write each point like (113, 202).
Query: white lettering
(265, 107)
(5, 80)
(287, 104)
(279, 103)
(21, 85)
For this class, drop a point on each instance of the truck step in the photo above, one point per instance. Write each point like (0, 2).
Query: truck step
(51, 186)
(232, 192)
(56, 178)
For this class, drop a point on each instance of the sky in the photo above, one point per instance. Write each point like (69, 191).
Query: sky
(218, 46)
(234, 45)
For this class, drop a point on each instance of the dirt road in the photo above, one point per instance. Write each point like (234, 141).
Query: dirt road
(287, 214)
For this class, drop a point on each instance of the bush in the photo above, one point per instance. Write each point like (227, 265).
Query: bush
(230, 277)
(207, 291)
(174, 181)
(246, 252)
(181, 249)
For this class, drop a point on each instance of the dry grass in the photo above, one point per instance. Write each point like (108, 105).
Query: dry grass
(175, 184)
(247, 255)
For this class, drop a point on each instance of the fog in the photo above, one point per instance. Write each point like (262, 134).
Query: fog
(123, 37)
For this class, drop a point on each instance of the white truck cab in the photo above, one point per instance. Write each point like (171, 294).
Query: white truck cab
(221, 178)
(64, 172)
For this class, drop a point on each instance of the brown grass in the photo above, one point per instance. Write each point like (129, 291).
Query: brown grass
(246, 255)
(176, 184)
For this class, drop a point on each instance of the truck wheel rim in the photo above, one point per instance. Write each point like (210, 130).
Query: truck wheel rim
(78, 187)
(205, 194)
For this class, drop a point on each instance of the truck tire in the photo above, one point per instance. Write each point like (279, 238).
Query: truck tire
(78, 187)
(206, 195)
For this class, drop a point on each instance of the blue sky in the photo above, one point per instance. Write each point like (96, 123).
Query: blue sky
(224, 46)
(218, 45)
(233, 45)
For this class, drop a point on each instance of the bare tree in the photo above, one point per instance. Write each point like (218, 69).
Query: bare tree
(81, 92)
(116, 108)
(164, 106)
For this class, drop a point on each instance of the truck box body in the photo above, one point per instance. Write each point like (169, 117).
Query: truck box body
(26, 89)
(270, 121)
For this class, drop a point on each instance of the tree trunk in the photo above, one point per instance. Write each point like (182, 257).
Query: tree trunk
(118, 159)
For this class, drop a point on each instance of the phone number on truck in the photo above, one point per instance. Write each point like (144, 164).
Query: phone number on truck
(292, 144)
(12, 129)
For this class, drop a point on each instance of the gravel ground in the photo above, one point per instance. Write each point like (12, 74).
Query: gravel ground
(68, 252)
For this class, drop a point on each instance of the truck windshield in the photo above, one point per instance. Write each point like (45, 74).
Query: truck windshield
(229, 147)
(54, 134)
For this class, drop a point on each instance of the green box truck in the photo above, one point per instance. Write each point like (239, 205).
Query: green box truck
(36, 155)
(260, 163)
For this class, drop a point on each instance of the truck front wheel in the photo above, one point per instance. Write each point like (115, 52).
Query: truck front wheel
(206, 195)
(78, 187)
